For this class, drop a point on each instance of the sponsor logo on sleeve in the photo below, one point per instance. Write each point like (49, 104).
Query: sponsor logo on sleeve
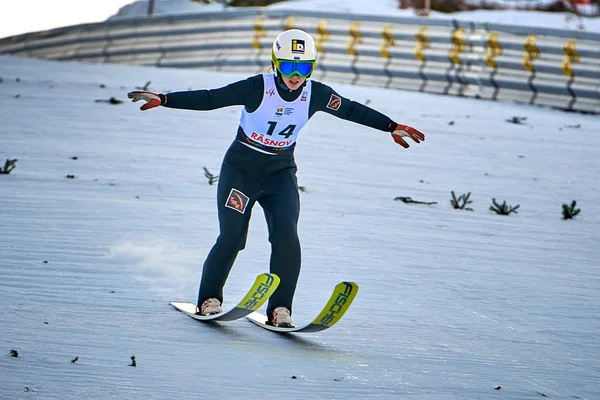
(334, 102)
(237, 201)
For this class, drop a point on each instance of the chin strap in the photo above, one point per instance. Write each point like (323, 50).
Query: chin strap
(280, 82)
(282, 85)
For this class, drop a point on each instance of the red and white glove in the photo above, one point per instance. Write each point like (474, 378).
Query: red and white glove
(152, 99)
(401, 131)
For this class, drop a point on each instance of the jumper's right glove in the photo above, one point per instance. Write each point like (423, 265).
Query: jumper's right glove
(401, 131)
(152, 99)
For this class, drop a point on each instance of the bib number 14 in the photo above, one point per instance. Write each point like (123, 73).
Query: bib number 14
(287, 132)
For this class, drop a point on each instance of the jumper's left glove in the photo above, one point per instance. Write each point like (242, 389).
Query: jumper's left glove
(401, 131)
(152, 99)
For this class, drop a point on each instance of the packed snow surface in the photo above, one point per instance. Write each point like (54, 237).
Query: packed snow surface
(453, 304)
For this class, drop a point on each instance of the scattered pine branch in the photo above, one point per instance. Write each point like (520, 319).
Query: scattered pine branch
(14, 353)
(133, 362)
(145, 87)
(503, 209)
(112, 100)
(408, 200)
(571, 211)
(9, 165)
(517, 120)
(212, 179)
(461, 202)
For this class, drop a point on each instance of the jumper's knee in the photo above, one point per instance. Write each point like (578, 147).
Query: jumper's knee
(284, 233)
(232, 241)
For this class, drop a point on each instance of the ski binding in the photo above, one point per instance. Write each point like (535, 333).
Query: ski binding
(264, 286)
(339, 302)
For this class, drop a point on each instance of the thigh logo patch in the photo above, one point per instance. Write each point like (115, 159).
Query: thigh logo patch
(237, 200)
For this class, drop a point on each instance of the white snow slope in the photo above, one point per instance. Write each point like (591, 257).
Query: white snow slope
(452, 303)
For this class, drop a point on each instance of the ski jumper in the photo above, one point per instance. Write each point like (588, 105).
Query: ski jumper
(259, 166)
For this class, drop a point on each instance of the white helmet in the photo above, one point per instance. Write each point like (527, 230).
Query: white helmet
(294, 45)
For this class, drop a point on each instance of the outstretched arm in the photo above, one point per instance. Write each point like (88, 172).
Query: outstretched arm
(324, 98)
(237, 93)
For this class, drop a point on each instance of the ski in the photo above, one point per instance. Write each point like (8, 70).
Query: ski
(264, 286)
(339, 302)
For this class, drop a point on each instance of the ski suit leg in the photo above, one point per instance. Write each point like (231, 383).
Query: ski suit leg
(281, 204)
(233, 228)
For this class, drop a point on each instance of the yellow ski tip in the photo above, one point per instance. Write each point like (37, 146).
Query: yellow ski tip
(264, 286)
(343, 295)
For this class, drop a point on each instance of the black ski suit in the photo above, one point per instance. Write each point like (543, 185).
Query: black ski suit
(252, 172)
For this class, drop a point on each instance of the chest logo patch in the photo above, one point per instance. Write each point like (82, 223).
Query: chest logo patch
(279, 112)
(334, 102)
(237, 200)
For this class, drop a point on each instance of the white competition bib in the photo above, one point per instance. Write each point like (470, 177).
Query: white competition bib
(276, 123)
